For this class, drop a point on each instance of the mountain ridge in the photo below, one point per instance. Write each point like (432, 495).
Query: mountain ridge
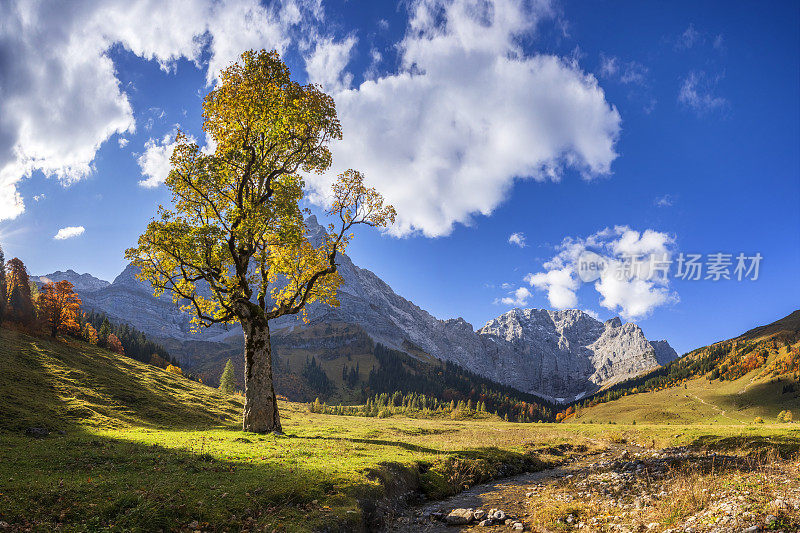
(559, 355)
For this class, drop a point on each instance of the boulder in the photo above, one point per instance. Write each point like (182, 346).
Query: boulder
(458, 517)
(37, 433)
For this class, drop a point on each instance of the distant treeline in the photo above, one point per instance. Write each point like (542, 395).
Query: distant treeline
(410, 404)
(422, 385)
(137, 345)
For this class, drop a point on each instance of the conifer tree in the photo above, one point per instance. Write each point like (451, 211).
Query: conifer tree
(104, 332)
(227, 382)
(20, 303)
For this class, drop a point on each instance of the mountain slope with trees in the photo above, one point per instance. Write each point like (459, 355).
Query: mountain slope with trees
(753, 375)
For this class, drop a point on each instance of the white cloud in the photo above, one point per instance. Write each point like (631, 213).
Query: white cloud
(39, 197)
(632, 289)
(517, 239)
(664, 201)
(61, 97)
(154, 161)
(560, 285)
(443, 138)
(69, 232)
(688, 38)
(326, 63)
(697, 93)
(518, 298)
(467, 113)
(609, 66)
(630, 72)
(123, 142)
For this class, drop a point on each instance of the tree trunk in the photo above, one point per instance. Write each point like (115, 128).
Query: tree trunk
(260, 403)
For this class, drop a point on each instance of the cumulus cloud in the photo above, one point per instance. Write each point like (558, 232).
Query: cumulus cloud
(69, 232)
(326, 63)
(443, 137)
(517, 239)
(560, 285)
(468, 112)
(697, 93)
(632, 277)
(154, 161)
(518, 298)
(61, 97)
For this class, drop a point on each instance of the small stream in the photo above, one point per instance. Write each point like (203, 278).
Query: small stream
(507, 494)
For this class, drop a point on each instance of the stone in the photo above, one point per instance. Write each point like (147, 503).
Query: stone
(37, 433)
(517, 526)
(194, 524)
(458, 517)
(480, 514)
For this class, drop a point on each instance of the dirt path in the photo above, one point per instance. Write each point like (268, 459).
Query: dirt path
(716, 408)
(623, 489)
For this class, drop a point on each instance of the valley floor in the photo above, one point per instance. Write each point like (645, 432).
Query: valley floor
(349, 474)
(125, 446)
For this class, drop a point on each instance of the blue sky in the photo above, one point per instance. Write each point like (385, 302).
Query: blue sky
(681, 118)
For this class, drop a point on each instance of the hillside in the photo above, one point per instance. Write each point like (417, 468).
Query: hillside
(59, 385)
(734, 381)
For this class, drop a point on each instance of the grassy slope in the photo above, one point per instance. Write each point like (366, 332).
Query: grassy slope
(60, 384)
(145, 449)
(700, 401)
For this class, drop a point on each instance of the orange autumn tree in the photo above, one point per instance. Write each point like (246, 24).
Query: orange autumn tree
(114, 344)
(59, 307)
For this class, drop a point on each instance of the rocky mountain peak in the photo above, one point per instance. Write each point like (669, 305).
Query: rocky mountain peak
(81, 282)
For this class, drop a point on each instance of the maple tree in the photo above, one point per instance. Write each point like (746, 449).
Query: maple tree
(114, 344)
(60, 307)
(235, 246)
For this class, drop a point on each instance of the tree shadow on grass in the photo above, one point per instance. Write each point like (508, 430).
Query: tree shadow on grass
(785, 446)
(374, 442)
(55, 385)
(84, 480)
